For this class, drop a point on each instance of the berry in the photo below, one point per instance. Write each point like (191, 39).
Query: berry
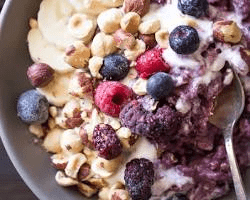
(196, 8)
(139, 177)
(32, 107)
(160, 85)
(151, 62)
(177, 196)
(184, 40)
(106, 141)
(115, 67)
(110, 96)
(163, 121)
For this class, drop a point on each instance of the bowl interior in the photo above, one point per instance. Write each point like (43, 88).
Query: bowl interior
(30, 160)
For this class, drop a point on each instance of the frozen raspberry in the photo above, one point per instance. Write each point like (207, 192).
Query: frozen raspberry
(151, 62)
(106, 141)
(139, 177)
(110, 96)
(146, 123)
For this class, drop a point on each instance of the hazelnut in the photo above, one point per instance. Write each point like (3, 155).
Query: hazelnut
(138, 49)
(80, 84)
(162, 37)
(86, 190)
(52, 141)
(123, 39)
(149, 40)
(109, 20)
(95, 64)
(130, 22)
(65, 181)
(150, 26)
(83, 172)
(77, 55)
(40, 74)
(103, 45)
(139, 6)
(227, 31)
(74, 164)
(59, 161)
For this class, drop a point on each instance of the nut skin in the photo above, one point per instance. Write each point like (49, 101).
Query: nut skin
(139, 6)
(84, 171)
(245, 55)
(40, 74)
(227, 32)
(149, 40)
(123, 39)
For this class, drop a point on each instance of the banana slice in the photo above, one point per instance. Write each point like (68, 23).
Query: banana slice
(57, 90)
(43, 52)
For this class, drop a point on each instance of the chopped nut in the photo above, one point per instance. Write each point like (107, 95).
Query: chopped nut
(95, 64)
(65, 181)
(138, 49)
(227, 31)
(37, 130)
(51, 123)
(53, 111)
(86, 189)
(109, 20)
(84, 172)
(130, 22)
(98, 182)
(77, 55)
(139, 6)
(59, 161)
(74, 164)
(52, 141)
(150, 26)
(149, 40)
(103, 45)
(112, 121)
(162, 37)
(71, 141)
(140, 86)
(123, 39)
(81, 84)
(82, 27)
(119, 194)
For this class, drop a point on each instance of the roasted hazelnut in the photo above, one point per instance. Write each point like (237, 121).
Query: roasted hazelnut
(40, 74)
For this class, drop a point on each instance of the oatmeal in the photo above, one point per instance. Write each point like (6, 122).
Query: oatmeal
(125, 89)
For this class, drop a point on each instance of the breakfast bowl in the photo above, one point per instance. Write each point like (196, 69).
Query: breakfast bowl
(30, 159)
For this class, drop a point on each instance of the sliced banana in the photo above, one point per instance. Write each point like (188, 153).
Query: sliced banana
(57, 90)
(53, 19)
(43, 52)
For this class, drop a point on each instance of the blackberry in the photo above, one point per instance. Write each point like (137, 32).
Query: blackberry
(115, 67)
(32, 107)
(106, 141)
(184, 40)
(160, 85)
(146, 123)
(196, 8)
(139, 177)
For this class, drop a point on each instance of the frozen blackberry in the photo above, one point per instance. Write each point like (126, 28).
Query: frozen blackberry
(139, 177)
(115, 67)
(160, 85)
(146, 123)
(184, 40)
(106, 141)
(32, 107)
(196, 8)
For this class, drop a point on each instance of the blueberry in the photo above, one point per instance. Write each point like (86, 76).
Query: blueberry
(115, 67)
(178, 196)
(184, 40)
(32, 107)
(196, 8)
(160, 85)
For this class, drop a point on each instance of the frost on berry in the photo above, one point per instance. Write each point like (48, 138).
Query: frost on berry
(106, 141)
(139, 177)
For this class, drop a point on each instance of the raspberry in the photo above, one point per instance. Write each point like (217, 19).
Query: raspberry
(151, 62)
(139, 177)
(110, 96)
(106, 141)
(146, 123)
